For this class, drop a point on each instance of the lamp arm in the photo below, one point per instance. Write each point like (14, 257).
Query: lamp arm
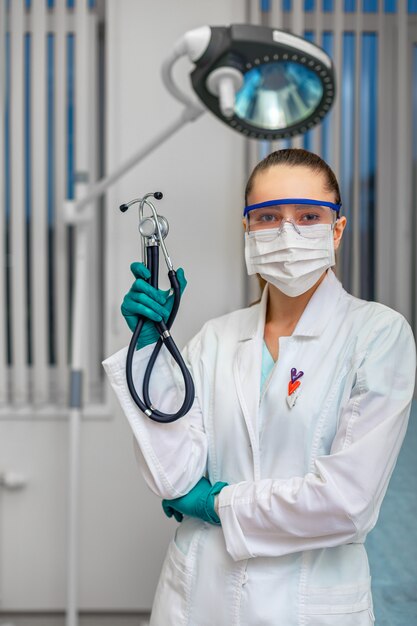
(73, 209)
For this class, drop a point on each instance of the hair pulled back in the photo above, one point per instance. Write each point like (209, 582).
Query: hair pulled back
(294, 157)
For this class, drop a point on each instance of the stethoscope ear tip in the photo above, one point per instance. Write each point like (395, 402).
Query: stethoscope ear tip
(158, 195)
(123, 207)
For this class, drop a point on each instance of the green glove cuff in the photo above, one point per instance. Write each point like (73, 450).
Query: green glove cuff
(198, 502)
(211, 513)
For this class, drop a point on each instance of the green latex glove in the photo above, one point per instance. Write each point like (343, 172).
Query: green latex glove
(199, 502)
(154, 304)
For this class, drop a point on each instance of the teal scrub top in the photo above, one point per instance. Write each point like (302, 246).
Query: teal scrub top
(267, 365)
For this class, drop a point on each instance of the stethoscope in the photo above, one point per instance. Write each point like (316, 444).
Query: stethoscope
(153, 229)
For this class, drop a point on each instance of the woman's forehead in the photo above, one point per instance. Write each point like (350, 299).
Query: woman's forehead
(283, 181)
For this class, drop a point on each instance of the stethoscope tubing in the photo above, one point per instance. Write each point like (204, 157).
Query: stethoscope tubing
(145, 405)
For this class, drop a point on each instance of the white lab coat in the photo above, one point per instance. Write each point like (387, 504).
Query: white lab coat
(305, 489)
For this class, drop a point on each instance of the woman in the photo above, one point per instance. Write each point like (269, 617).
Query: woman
(302, 403)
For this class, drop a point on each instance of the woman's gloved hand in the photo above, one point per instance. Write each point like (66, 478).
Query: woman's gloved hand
(154, 304)
(199, 502)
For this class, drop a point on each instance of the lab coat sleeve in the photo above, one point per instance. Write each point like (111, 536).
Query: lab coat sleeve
(172, 457)
(339, 501)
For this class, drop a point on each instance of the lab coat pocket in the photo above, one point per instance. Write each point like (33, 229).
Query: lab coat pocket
(171, 604)
(339, 605)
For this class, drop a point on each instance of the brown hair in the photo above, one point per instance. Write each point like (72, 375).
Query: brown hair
(294, 157)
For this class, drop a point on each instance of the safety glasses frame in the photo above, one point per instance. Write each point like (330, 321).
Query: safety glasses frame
(332, 205)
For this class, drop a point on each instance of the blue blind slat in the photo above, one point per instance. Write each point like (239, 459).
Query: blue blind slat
(7, 126)
(7, 193)
(309, 35)
(28, 188)
(327, 44)
(367, 157)
(328, 6)
(264, 149)
(50, 190)
(265, 5)
(390, 6)
(414, 101)
(308, 137)
(70, 161)
(70, 114)
(27, 90)
(369, 6)
(286, 143)
(50, 70)
(412, 6)
(347, 154)
(350, 6)
(92, 3)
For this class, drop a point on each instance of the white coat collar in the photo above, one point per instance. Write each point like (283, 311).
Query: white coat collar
(314, 318)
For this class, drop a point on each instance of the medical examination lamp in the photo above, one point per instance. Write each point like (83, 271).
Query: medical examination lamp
(262, 82)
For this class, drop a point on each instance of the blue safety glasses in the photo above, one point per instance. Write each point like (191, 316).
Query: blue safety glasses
(300, 203)
(268, 218)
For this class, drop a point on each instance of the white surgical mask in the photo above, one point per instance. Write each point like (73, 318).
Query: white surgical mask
(290, 261)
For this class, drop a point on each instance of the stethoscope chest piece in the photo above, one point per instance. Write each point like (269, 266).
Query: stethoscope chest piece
(148, 228)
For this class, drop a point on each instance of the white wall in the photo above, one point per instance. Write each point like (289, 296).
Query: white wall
(123, 531)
